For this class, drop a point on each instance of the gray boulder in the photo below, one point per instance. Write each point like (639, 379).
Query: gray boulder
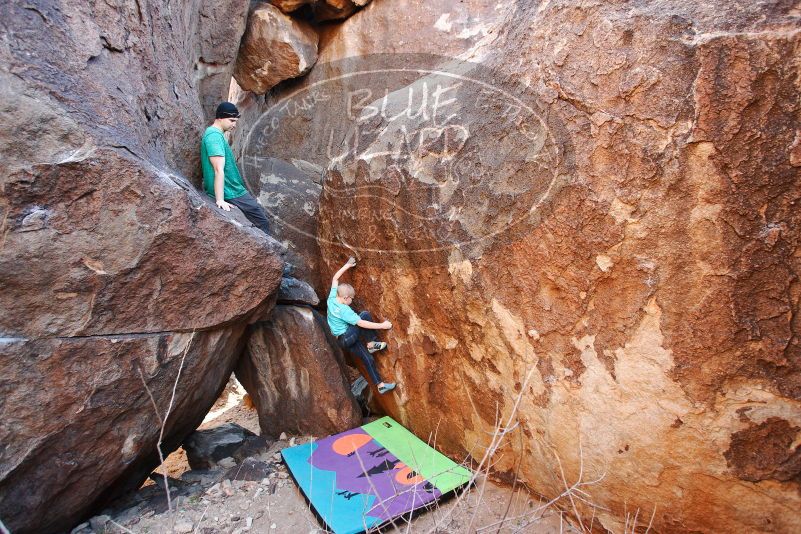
(204, 448)
(294, 291)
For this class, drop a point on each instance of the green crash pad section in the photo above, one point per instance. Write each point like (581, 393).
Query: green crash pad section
(434, 466)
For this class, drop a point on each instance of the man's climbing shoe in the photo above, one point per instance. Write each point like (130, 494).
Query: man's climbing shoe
(388, 386)
(375, 346)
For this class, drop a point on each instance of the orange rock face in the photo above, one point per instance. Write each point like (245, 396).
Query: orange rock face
(615, 269)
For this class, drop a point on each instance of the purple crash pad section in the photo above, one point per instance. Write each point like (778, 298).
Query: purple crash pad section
(364, 466)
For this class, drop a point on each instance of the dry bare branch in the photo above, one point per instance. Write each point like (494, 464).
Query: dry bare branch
(163, 420)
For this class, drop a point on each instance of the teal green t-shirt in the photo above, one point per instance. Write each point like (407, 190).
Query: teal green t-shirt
(339, 315)
(214, 144)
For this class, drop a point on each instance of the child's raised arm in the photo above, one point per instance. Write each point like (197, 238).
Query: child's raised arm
(348, 264)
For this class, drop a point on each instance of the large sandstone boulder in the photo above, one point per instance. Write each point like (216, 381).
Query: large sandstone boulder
(138, 77)
(79, 425)
(275, 48)
(295, 376)
(600, 244)
(117, 279)
(286, 169)
(123, 249)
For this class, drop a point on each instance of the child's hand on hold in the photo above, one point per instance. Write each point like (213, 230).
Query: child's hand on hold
(386, 325)
(351, 261)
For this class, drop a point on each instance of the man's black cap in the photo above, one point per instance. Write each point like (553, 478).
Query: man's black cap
(227, 110)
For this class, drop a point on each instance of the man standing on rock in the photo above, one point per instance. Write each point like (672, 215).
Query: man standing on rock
(221, 178)
(352, 329)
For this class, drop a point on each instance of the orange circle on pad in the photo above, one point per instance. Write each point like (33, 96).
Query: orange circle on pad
(407, 477)
(348, 444)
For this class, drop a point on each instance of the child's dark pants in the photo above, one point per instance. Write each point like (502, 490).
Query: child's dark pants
(354, 339)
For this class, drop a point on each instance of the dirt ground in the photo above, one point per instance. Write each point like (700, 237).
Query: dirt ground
(216, 504)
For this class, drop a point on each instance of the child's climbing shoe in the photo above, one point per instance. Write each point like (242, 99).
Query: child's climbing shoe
(375, 346)
(388, 386)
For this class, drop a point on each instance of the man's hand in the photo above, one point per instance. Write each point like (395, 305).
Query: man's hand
(386, 325)
(224, 205)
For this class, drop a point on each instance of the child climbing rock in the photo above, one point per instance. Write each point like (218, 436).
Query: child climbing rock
(352, 330)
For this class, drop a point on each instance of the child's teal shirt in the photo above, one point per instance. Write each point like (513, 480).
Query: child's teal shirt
(339, 315)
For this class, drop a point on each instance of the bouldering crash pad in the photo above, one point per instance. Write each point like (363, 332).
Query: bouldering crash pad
(368, 476)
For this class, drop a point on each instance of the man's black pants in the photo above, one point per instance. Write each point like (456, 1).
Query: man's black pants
(252, 210)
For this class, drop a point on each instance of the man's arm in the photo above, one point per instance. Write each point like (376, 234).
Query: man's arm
(218, 163)
(349, 264)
